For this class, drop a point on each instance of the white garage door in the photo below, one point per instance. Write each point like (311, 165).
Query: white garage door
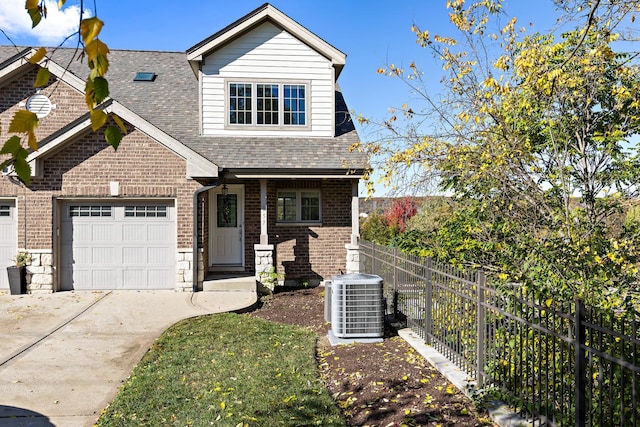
(8, 239)
(127, 245)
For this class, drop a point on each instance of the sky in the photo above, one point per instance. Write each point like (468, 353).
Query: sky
(372, 33)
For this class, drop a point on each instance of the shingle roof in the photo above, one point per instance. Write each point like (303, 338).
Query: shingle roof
(170, 103)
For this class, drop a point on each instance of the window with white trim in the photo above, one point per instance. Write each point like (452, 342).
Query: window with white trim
(240, 104)
(298, 206)
(258, 104)
(5, 210)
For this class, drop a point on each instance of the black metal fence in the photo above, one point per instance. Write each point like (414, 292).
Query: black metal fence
(561, 364)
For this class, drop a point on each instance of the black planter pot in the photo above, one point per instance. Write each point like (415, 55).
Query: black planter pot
(17, 280)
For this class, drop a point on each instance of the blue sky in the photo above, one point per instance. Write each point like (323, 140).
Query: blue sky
(372, 33)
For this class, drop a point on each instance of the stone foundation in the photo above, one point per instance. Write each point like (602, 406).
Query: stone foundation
(40, 272)
(184, 267)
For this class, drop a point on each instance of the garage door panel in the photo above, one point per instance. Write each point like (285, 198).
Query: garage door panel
(157, 232)
(132, 278)
(103, 232)
(134, 233)
(161, 277)
(159, 256)
(104, 255)
(119, 250)
(103, 279)
(8, 239)
(134, 256)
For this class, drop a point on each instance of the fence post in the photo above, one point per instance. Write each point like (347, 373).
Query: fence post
(373, 257)
(395, 283)
(581, 365)
(428, 299)
(481, 327)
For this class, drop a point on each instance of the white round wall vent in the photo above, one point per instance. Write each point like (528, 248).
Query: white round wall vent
(39, 104)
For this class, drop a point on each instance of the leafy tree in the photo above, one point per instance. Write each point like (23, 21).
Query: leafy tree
(24, 123)
(532, 135)
(400, 212)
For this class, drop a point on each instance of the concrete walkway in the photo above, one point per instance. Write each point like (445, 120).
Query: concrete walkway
(63, 356)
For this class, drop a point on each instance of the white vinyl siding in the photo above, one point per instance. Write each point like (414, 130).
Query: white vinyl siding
(270, 55)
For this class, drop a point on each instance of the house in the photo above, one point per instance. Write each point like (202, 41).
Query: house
(236, 156)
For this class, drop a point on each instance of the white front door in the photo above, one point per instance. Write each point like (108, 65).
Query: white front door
(227, 228)
(8, 239)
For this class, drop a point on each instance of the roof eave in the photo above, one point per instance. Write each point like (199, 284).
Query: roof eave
(281, 173)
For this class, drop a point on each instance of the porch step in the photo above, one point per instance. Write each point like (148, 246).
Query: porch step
(235, 284)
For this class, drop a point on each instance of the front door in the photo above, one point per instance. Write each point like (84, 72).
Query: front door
(227, 228)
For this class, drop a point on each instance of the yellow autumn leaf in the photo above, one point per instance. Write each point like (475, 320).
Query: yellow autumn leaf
(38, 56)
(23, 122)
(119, 122)
(90, 28)
(31, 4)
(32, 141)
(61, 3)
(548, 302)
(98, 119)
(42, 78)
(223, 405)
(97, 58)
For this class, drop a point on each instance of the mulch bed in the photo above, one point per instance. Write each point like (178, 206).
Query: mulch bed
(380, 384)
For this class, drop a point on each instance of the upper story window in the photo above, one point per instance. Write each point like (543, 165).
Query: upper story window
(267, 104)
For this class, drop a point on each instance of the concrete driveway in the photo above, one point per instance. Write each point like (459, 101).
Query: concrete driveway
(63, 356)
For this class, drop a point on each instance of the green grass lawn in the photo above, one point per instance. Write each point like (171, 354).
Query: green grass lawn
(226, 370)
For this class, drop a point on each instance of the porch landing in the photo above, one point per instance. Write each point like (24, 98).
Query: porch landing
(229, 283)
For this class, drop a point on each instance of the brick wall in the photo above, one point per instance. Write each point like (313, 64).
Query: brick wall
(69, 103)
(313, 252)
(302, 252)
(85, 167)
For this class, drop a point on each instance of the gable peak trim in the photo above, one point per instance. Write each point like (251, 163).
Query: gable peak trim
(262, 14)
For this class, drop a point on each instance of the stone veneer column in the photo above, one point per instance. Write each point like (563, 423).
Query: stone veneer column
(353, 258)
(40, 272)
(264, 259)
(353, 248)
(185, 270)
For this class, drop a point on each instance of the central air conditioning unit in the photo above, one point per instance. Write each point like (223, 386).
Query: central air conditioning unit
(357, 309)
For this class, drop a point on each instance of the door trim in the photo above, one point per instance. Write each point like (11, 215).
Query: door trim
(240, 266)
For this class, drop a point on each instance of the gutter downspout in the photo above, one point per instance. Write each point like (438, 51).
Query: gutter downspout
(196, 260)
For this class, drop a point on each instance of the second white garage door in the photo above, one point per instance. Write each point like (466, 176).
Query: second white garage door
(124, 245)
(8, 243)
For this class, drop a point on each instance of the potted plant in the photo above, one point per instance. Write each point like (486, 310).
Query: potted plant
(18, 273)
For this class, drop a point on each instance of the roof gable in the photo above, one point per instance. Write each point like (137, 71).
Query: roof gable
(17, 64)
(254, 19)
